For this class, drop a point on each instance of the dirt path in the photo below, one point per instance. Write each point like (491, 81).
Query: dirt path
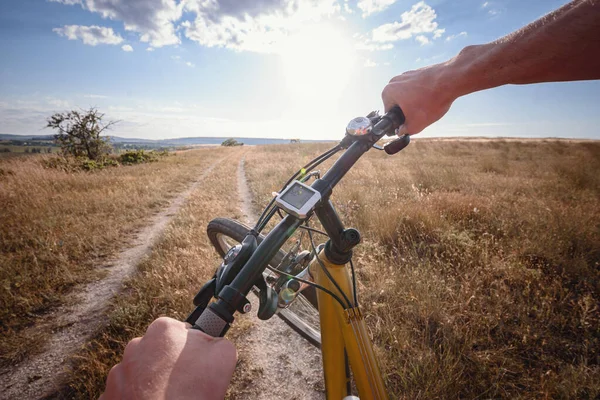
(71, 326)
(279, 364)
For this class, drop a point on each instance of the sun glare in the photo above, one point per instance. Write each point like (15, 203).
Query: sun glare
(318, 62)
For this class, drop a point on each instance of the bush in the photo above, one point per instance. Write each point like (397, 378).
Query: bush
(231, 142)
(75, 164)
(5, 150)
(139, 157)
(79, 133)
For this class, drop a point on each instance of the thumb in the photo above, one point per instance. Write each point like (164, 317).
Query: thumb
(402, 130)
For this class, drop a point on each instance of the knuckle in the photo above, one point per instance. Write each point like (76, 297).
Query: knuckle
(385, 93)
(114, 371)
(133, 343)
(161, 324)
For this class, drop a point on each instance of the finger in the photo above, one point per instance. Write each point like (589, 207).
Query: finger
(402, 130)
(115, 382)
(388, 102)
(131, 347)
(386, 97)
(164, 324)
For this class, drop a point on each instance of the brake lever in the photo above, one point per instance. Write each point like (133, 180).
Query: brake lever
(201, 300)
(395, 146)
(267, 300)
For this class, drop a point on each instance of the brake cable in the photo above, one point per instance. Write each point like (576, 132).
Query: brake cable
(309, 283)
(268, 211)
(337, 286)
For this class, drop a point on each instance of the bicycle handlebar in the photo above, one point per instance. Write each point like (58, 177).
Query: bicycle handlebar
(216, 319)
(390, 121)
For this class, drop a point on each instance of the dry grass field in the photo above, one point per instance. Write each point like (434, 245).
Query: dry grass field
(167, 280)
(479, 268)
(55, 227)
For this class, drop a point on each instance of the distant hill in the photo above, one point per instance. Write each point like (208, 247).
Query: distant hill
(4, 136)
(187, 141)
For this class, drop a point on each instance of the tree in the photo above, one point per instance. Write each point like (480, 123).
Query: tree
(79, 133)
(231, 142)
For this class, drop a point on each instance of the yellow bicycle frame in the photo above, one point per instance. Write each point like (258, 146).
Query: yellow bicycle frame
(344, 330)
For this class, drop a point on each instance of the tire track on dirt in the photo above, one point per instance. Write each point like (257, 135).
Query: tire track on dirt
(71, 326)
(282, 364)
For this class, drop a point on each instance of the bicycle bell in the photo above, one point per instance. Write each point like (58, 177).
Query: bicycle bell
(359, 126)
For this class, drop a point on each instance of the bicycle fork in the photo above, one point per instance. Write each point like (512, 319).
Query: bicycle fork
(345, 330)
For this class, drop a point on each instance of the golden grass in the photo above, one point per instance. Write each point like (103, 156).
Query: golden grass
(478, 270)
(166, 282)
(479, 267)
(55, 227)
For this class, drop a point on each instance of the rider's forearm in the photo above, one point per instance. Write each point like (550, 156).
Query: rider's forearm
(562, 46)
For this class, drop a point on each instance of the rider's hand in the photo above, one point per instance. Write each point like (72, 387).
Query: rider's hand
(424, 95)
(172, 361)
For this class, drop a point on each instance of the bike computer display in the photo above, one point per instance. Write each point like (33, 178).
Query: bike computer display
(298, 199)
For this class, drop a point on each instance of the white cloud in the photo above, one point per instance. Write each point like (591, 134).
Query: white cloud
(366, 44)
(152, 19)
(127, 48)
(370, 46)
(369, 7)
(418, 21)
(67, 2)
(57, 102)
(95, 96)
(452, 37)
(423, 40)
(179, 60)
(90, 35)
(258, 26)
(370, 63)
(347, 8)
(491, 11)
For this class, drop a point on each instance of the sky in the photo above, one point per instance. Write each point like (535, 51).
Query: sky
(264, 68)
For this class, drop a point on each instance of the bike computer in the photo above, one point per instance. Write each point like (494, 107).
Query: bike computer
(298, 199)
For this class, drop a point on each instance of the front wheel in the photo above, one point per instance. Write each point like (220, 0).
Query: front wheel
(303, 314)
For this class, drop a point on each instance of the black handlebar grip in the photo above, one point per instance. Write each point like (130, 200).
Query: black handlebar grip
(396, 115)
(212, 322)
(396, 145)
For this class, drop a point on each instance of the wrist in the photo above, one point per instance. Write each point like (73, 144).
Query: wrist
(469, 71)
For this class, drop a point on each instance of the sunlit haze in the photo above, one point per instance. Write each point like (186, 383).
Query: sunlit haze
(269, 68)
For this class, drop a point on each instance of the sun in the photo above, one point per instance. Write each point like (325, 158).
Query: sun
(317, 62)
